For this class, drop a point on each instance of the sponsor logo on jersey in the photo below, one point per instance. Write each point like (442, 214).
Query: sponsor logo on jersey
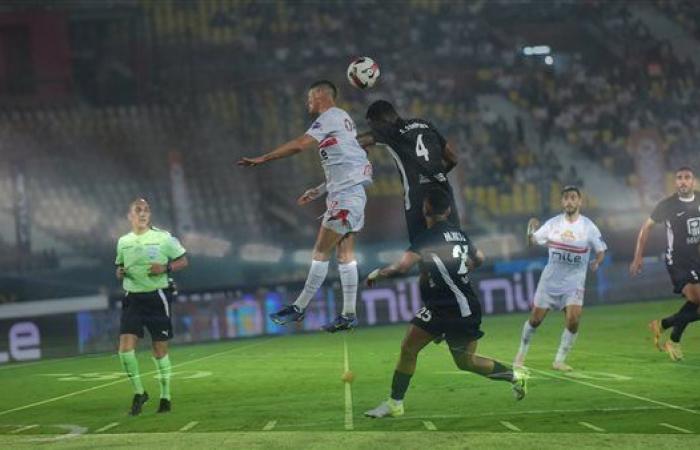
(568, 236)
(316, 125)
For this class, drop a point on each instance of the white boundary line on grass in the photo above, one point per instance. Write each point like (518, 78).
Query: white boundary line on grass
(616, 391)
(510, 426)
(24, 428)
(109, 426)
(673, 427)
(591, 427)
(269, 426)
(93, 388)
(189, 426)
(430, 426)
(349, 425)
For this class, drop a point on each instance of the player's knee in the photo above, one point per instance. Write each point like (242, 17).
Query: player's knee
(408, 351)
(572, 325)
(535, 322)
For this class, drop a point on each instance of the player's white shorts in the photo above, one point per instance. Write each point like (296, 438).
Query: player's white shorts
(560, 301)
(345, 210)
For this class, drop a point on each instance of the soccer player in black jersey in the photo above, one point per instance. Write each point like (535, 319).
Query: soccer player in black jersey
(446, 256)
(681, 215)
(422, 155)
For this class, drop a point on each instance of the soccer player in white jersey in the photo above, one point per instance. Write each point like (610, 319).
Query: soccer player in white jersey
(570, 236)
(347, 172)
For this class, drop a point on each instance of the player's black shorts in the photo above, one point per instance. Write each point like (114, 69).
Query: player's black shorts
(415, 220)
(683, 273)
(458, 330)
(147, 309)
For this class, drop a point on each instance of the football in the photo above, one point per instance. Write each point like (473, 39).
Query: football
(363, 72)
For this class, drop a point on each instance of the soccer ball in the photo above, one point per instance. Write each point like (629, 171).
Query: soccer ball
(363, 72)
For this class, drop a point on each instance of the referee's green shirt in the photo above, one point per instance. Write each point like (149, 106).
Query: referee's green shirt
(136, 252)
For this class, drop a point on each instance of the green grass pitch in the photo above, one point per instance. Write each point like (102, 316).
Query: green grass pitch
(286, 392)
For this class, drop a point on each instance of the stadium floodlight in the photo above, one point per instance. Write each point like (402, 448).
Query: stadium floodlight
(537, 50)
(548, 60)
(261, 253)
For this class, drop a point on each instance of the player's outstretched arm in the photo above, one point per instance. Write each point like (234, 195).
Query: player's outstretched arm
(290, 148)
(642, 237)
(449, 158)
(532, 226)
(399, 268)
(477, 261)
(312, 194)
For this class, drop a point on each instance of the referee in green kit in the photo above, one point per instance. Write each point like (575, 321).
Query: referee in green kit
(145, 257)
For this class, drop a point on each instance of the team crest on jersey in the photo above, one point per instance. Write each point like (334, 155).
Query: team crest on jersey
(694, 226)
(568, 236)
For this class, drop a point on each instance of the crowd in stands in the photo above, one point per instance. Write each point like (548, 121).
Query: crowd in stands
(223, 96)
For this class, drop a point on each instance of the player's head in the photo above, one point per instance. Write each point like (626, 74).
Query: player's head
(322, 94)
(685, 181)
(571, 200)
(139, 214)
(380, 114)
(436, 204)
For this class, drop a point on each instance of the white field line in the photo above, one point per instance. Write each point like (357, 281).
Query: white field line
(24, 428)
(510, 426)
(109, 426)
(430, 426)
(592, 427)
(112, 383)
(269, 426)
(189, 426)
(673, 427)
(616, 391)
(348, 390)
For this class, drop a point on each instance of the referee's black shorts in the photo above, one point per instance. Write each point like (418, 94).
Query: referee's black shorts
(150, 310)
(682, 273)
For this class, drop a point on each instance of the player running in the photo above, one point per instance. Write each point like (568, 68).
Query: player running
(569, 237)
(347, 172)
(446, 256)
(145, 257)
(681, 214)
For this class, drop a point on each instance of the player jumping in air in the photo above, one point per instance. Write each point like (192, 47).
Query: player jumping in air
(681, 214)
(446, 256)
(569, 237)
(347, 173)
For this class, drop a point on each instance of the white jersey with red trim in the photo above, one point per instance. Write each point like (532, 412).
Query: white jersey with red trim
(344, 162)
(569, 246)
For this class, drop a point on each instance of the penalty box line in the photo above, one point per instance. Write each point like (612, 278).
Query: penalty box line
(615, 391)
(112, 383)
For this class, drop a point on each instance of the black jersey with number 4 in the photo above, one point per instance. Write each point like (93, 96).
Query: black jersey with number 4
(682, 220)
(417, 148)
(444, 283)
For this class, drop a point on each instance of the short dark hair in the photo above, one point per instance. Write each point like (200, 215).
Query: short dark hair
(382, 111)
(570, 188)
(327, 85)
(438, 201)
(685, 169)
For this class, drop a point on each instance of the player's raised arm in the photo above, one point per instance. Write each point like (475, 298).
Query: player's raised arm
(532, 227)
(303, 142)
(399, 268)
(449, 158)
(642, 237)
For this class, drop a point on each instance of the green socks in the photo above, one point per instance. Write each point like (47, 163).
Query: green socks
(164, 371)
(131, 367)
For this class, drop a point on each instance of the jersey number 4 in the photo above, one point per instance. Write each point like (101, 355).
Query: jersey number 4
(421, 150)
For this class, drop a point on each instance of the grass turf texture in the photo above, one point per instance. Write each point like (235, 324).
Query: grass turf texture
(233, 390)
